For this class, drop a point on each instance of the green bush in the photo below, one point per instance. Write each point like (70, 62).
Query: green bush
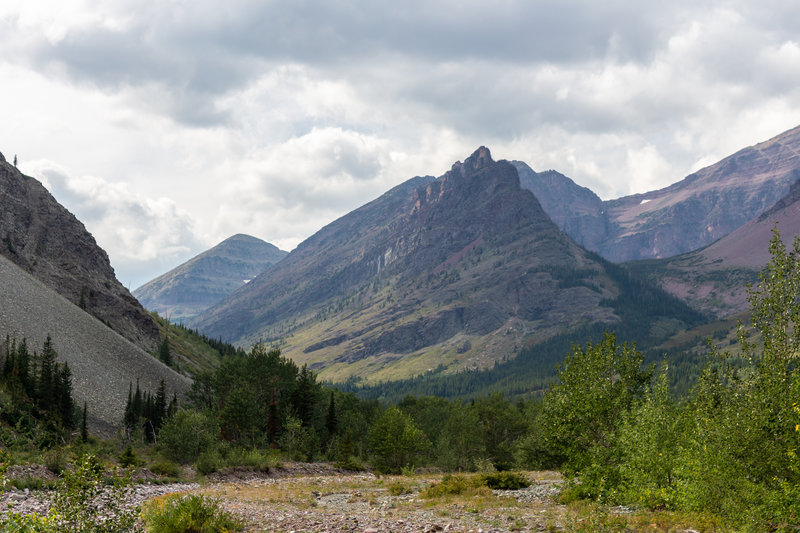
(456, 485)
(165, 468)
(188, 514)
(254, 459)
(505, 480)
(208, 462)
(187, 434)
(351, 463)
(128, 457)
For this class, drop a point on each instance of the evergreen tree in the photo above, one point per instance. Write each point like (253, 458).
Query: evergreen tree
(159, 406)
(273, 424)
(304, 396)
(164, 353)
(131, 416)
(66, 406)
(46, 389)
(84, 427)
(331, 422)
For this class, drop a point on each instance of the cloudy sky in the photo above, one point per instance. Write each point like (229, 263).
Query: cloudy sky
(167, 126)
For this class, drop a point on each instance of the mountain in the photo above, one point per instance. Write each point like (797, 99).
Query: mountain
(103, 363)
(204, 280)
(687, 215)
(713, 279)
(40, 236)
(576, 210)
(453, 272)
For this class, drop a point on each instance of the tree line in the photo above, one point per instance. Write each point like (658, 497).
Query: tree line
(39, 390)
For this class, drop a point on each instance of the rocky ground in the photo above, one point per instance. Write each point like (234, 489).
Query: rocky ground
(317, 497)
(365, 503)
(320, 498)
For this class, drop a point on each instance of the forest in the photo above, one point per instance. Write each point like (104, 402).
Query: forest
(610, 422)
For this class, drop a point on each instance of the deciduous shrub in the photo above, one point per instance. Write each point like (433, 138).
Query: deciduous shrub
(188, 514)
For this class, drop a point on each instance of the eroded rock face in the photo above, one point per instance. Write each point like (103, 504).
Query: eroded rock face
(456, 270)
(43, 238)
(687, 215)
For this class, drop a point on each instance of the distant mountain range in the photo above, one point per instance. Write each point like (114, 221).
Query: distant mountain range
(714, 278)
(185, 291)
(456, 271)
(464, 271)
(687, 215)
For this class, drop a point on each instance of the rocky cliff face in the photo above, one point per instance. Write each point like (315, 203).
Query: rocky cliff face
(185, 291)
(687, 215)
(457, 271)
(714, 279)
(47, 241)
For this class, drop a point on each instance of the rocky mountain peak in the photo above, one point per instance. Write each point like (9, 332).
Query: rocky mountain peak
(2, 159)
(479, 159)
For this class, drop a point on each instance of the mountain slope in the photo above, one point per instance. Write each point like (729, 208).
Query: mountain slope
(575, 209)
(713, 279)
(103, 363)
(687, 215)
(43, 238)
(204, 280)
(457, 271)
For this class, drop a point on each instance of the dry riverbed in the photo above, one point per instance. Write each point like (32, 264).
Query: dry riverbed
(319, 498)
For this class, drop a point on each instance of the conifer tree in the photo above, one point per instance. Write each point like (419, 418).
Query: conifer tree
(84, 427)
(331, 422)
(164, 353)
(272, 419)
(66, 407)
(47, 385)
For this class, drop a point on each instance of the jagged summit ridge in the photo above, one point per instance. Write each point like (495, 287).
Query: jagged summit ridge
(458, 271)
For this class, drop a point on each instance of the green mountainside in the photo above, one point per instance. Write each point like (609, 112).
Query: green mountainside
(455, 273)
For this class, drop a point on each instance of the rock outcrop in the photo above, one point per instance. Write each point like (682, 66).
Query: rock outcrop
(458, 271)
(685, 216)
(43, 238)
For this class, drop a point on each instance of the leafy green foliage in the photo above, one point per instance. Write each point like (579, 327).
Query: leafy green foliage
(188, 514)
(582, 414)
(456, 485)
(729, 449)
(395, 441)
(187, 434)
(505, 480)
(86, 501)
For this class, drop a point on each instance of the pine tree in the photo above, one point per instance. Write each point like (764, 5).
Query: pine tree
(66, 406)
(272, 419)
(160, 406)
(47, 384)
(84, 427)
(304, 396)
(131, 416)
(164, 353)
(331, 422)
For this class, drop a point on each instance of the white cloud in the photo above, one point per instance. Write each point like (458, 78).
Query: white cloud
(201, 119)
(145, 236)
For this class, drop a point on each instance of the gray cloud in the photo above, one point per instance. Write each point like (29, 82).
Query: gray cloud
(204, 119)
